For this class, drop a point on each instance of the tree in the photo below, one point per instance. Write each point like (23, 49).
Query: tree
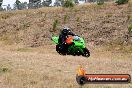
(68, 4)
(1, 1)
(23, 5)
(46, 3)
(119, 2)
(34, 4)
(8, 7)
(17, 4)
(2, 9)
(76, 1)
(100, 2)
(62, 2)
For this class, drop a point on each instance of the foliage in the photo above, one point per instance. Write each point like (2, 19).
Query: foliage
(68, 4)
(100, 2)
(35, 4)
(18, 5)
(130, 3)
(3, 70)
(78, 19)
(130, 28)
(8, 7)
(1, 2)
(62, 2)
(2, 9)
(46, 3)
(119, 2)
(65, 18)
(76, 1)
(17, 2)
(128, 17)
(56, 22)
(23, 5)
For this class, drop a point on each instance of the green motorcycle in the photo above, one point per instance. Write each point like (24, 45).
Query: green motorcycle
(77, 48)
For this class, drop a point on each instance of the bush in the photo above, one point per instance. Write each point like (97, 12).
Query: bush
(78, 19)
(3, 70)
(129, 3)
(119, 2)
(1, 2)
(128, 17)
(100, 2)
(56, 22)
(65, 18)
(130, 28)
(68, 4)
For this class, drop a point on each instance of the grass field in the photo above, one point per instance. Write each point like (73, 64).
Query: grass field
(28, 58)
(44, 68)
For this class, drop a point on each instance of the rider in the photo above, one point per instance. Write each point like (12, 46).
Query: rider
(63, 36)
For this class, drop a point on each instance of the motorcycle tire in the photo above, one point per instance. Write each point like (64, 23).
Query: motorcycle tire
(59, 50)
(86, 52)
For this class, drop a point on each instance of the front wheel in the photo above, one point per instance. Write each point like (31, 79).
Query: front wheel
(86, 52)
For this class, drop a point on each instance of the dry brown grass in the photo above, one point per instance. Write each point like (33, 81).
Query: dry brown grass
(103, 24)
(44, 68)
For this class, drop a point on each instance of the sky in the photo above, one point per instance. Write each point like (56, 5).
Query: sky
(11, 2)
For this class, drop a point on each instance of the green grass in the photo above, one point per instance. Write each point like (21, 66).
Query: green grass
(128, 17)
(65, 18)
(130, 28)
(78, 19)
(109, 15)
(3, 70)
(130, 3)
(24, 49)
(55, 24)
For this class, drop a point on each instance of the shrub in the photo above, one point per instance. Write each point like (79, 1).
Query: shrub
(78, 19)
(26, 24)
(109, 15)
(119, 2)
(3, 70)
(100, 2)
(130, 3)
(128, 17)
(56, 22)
(130, 28)
(68, 4)
(1, 2)
(65, 18)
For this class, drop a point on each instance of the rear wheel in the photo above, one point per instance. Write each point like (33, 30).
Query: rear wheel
(86, 52)
(60, 50)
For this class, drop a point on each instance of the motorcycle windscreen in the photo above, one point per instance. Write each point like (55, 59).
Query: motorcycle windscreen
(80, 43)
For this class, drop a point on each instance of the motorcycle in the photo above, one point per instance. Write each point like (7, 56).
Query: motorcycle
(77, 46)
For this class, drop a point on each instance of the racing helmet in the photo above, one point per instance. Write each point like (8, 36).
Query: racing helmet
(66, 30)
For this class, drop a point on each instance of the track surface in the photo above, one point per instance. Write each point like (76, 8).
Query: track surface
(43, 68)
